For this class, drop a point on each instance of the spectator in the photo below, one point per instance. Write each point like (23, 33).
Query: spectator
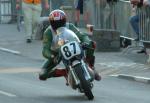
(134, 21)
(32, 11)
(82, 8)
(78, 10)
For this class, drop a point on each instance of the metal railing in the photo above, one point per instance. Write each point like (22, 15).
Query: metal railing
(115, 15)
(7, 11)
(104, 14)
(122, 19)
(144, 24)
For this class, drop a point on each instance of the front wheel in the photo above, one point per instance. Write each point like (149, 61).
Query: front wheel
(85, 85)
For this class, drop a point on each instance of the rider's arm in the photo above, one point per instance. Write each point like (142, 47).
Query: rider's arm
(82, 36)
(47, 41)
(76, 31)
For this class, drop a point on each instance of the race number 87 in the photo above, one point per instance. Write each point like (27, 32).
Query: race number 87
(67, 51)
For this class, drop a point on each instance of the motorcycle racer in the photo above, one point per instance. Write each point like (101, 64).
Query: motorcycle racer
(60, 29)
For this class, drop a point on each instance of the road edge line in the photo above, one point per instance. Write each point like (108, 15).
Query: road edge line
(10, 51)
(133, 78)
(7, 94)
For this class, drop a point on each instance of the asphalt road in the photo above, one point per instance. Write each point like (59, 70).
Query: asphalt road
(19, 84)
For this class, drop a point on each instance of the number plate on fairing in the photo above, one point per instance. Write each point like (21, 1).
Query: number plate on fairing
(70, 50)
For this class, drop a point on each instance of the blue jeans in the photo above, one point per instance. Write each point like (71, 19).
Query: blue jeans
(134, 21)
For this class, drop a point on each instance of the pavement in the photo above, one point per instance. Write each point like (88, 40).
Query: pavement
(125, 64)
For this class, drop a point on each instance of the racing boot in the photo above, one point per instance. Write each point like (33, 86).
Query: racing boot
(91, 60)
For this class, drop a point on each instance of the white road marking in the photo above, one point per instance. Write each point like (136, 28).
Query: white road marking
(136, 78)
(116, 64)
(10, 51)
(114, 75)
(19, 70)
(141, 79)
(7, 94)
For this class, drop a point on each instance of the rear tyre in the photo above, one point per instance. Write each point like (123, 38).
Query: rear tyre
(85, 85)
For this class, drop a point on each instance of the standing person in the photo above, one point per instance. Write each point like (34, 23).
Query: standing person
(59, 28)
(78, 10)
(134, 21)
(82, 7)
(32, 12)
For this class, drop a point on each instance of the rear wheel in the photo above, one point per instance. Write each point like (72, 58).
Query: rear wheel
(85, 85)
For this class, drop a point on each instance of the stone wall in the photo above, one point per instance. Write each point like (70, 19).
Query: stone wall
(107, 40)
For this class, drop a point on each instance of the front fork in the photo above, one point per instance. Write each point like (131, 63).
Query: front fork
(77, 82)
(86, 73)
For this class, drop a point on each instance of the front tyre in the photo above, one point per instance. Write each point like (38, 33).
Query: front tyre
(85, 85)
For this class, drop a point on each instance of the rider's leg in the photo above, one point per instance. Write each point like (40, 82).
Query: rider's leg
(48, 71)
(90, 58)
